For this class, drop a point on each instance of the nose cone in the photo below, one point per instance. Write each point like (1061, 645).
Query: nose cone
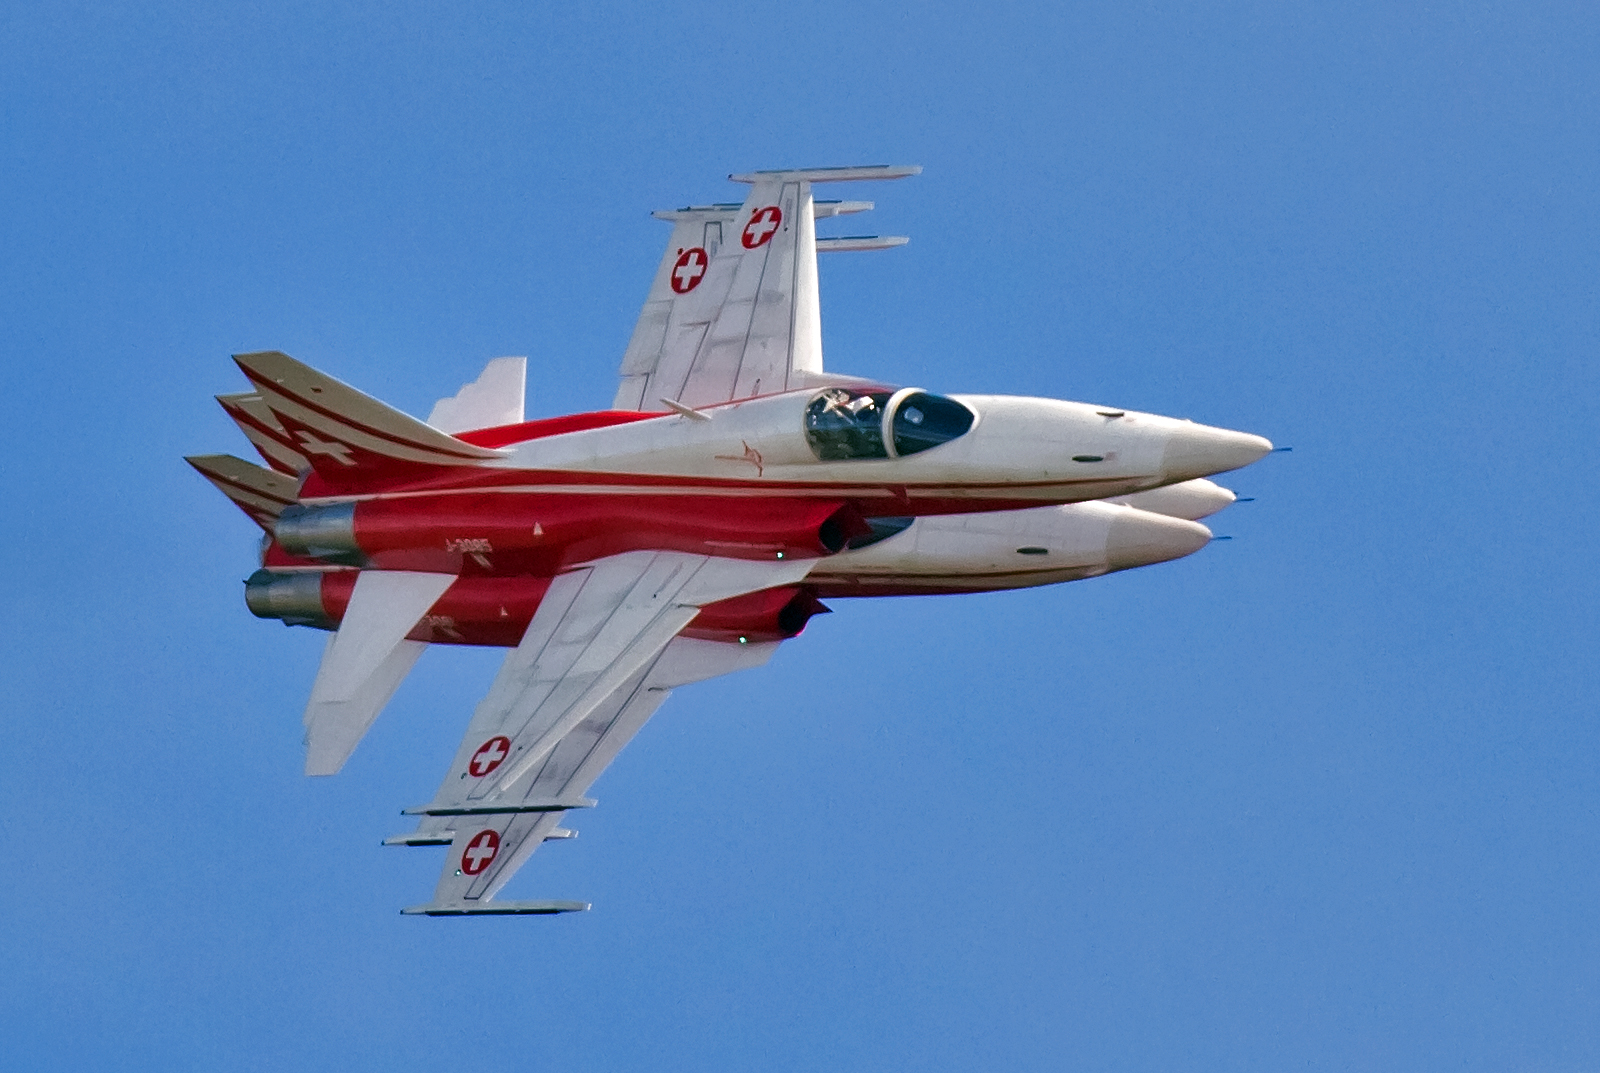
(1139, 538)
(1200, 450)
(1189, 499)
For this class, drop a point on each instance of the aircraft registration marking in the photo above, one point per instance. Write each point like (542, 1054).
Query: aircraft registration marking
(480, 851)
(490, 755)
(689, 270)
(762, 226)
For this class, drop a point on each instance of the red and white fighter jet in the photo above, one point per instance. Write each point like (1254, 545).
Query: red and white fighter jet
(682, 534)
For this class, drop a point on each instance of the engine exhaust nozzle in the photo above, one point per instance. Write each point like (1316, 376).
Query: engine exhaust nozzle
(326, 533)
(295, 598)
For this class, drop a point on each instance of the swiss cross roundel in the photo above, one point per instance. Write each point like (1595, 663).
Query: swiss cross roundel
(762, 226)
(689, 270)
(480, 851)
(490, 755)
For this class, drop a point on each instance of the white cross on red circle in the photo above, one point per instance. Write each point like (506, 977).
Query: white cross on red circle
(490, 755)
(691, 266)
(762, 226)
(480, 851)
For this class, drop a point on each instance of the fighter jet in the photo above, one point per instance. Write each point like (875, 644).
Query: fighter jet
(733, 486)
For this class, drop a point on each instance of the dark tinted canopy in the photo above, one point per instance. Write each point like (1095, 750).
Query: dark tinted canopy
(922, 421)
(843, 424)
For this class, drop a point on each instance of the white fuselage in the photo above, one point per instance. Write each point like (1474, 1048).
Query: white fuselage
(1018, 451)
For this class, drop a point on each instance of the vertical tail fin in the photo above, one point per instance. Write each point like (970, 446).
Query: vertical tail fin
(260, 493)
(256, 420)
(346, 434)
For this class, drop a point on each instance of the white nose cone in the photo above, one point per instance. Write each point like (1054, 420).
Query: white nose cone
(1139, 538)
(1188, 499)
(1200, 450)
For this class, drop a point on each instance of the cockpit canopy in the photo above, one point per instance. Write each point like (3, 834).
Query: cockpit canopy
(843, 424)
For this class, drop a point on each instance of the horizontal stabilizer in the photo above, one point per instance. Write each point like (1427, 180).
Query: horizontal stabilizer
(861, 173)
(365, 661)
(495, 398)
(859, 243)
(335, 727)
(343, 432)
(494, 909)
(260, 493)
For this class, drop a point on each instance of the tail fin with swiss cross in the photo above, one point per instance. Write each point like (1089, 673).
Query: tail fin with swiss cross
(347, 436)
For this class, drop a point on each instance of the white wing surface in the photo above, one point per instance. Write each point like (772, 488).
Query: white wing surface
(733, 311)
(567, 698)
(697, 233)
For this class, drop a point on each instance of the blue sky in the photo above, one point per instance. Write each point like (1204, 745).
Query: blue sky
(1323, 796)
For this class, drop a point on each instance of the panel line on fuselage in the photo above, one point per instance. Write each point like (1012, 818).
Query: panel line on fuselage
(732, 487)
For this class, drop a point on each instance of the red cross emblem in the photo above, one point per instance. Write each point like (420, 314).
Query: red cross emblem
(489, 756)
(691, 266)
(762, 226)
(479, 852)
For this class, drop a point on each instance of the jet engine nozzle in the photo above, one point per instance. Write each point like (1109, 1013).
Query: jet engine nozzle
(473, 611)
(326, 533)
(295, 598)
(1201, 450)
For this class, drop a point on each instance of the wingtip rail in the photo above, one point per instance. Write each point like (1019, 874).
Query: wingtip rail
(494, 909)
(860, 243)
(504, 808)
(444, 838)
(858, 173)
(421, 838)
(821, 208)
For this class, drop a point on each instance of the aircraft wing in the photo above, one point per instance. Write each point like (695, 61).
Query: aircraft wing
(733, 311)
(591, 668)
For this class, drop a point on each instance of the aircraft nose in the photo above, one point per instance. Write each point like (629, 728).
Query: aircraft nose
(1200, 450)
(1138, 538)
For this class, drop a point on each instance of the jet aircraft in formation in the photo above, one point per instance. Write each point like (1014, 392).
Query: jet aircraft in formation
(733, 486)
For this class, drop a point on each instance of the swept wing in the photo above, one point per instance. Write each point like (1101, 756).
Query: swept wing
(733, 311)
(567, 698)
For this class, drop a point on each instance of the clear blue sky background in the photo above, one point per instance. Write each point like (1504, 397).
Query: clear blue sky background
(1321, 797)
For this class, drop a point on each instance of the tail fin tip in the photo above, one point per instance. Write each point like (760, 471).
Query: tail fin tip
(260, 493)
(344, 432)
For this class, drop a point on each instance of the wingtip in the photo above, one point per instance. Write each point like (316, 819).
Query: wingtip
(488, 908)
(847, 173)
